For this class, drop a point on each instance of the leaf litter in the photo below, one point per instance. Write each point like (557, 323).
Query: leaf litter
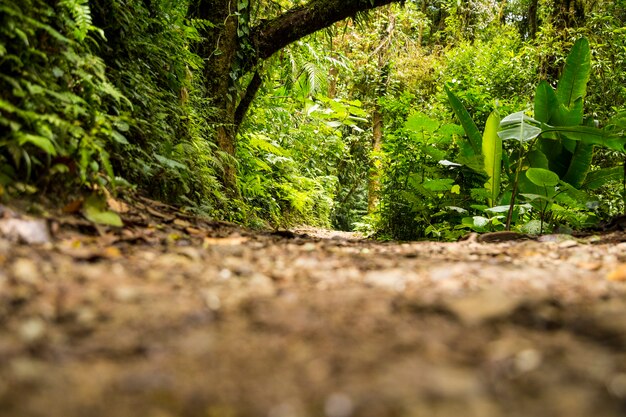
(175, 315)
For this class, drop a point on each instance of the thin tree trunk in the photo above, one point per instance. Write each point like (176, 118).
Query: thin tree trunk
(219, 49)
(373, 186)
(532, 19)
(501, 15)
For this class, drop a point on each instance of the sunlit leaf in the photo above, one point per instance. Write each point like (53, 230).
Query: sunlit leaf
(519, 126)
(572, 84)
(542, 177)
(94, 210)
(492, 151)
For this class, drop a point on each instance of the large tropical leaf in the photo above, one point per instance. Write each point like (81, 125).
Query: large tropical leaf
(537, 159)
(542, 177)
(568, 116)
(579, 165)
(419, 122)
(520, 127)
(597, 179)
(546, 102)
(573, 82)
(617, 123)
(492, 151)
(468, 124)
(591, 135)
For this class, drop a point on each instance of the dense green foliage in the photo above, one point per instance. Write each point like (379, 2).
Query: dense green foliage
(395, 103)
(55, 96)
(106, 105)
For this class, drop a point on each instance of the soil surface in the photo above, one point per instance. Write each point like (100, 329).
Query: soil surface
(177, 316)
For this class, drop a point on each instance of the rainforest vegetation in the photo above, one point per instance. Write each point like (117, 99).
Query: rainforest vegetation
(412, 119)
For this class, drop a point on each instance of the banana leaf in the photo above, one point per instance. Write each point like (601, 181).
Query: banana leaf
(520, 127)
(492, 151)
(591, 135)
(546, 102)
(573, 82)
(579, 165)
(597, 179)
(468, 124)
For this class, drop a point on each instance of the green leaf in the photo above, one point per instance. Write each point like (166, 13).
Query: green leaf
(475, 138)
(520, 127)
(573, 197)
(591, 135)
(119, 138)
(498, 209)
(94, 210)
(170, 163)
(537, 159)
(480, 221)
(568, 116)
(579, 165)
(542, 177)
(617, 124)
(41, 142)
(533, 227)
(419, 122)
(492, 151)
(597, 179)
(573, 82)
(440, 184)
(545, 102)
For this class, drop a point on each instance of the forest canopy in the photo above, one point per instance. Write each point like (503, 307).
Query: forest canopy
(412, 119)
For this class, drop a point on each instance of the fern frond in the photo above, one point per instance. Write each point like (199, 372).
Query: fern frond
(81, 13)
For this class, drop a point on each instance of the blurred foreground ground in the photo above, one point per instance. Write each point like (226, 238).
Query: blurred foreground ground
(173, 316)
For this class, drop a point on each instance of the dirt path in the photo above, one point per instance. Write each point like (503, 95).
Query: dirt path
(173, 317)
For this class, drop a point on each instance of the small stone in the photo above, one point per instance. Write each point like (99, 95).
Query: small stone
(589, 266)
(528, 360)
(86, 316)
(126, 294)
(309, 247)
(568, 244)
(262, 285)
(32, 330)
(338, 405)
(393, 279)
(25, 369)
(25, 270)
(225, 274)
(617, 385)
(212, 300)
(618, 274)
(481, 306)
(29, 231)
(285, 409)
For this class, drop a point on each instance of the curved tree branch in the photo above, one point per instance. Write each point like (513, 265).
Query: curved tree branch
(271, 36)
(246, 100)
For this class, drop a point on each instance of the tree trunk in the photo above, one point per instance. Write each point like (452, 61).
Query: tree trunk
(227, 60)
(220, 47)
(373, 186)
(532, 19)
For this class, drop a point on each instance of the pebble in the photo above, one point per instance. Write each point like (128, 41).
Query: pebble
(528, 360)
(618, 274)
(393, 279)
(338, 405)
(126, 294)
(32, 330)
(617, 385)
(25, 270)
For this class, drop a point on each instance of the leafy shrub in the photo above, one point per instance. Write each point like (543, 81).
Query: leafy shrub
(54, 94)
(149, 56)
